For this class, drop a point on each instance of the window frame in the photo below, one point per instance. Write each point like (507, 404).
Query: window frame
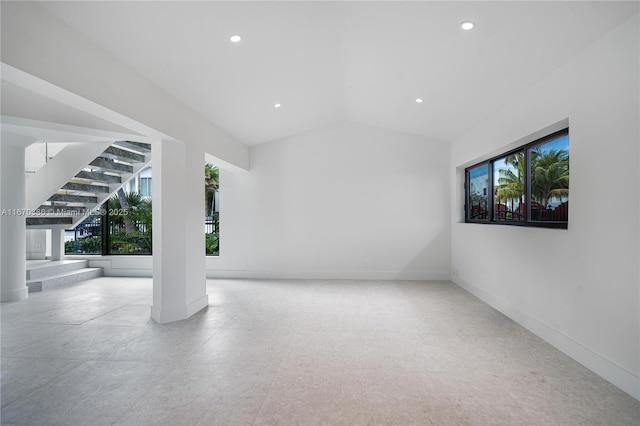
(146, 183)
(467, 189)
(490, 219)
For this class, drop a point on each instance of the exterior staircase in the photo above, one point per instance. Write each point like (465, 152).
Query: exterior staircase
(91, 186)
(43, 275)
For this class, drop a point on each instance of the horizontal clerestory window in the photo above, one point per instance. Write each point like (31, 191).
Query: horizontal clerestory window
(526, 186)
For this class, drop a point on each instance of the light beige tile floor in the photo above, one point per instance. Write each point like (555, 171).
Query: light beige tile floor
(274, 352)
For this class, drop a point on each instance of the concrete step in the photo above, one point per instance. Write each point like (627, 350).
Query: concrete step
(122, 154)
(99, 177)
(140, 147)
(68, 198)
(44, 221)
(64, 279)
(108, 165)
(85, 187)
(62, 210)
(45, 268)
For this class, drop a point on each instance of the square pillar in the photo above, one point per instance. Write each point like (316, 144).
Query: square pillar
(13, 234)
(179, 282)
(57, 244)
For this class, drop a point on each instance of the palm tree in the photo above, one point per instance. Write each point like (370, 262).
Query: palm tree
(122, 198)
(549, 175)
(211, 186)
(511, 181)
(137, 213)
(136, 220)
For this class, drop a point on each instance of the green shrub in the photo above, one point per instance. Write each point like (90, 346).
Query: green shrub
(212, 244)
(134, 243)
(88, 245)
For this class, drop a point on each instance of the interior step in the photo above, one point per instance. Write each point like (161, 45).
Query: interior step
(44, 222)
(68, 198)
(62, 210)
(99, 177)
(63, 279)
(85, 187)
(122, 154)
(136, 146)
(106, 164)
(45, 268)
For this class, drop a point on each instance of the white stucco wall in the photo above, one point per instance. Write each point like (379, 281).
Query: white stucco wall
(577, 288)
(349, 201)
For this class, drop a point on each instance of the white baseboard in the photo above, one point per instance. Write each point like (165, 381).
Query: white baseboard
(297, 274)
(620, 377)
(142, 266)
(178, 313)
(122, 267)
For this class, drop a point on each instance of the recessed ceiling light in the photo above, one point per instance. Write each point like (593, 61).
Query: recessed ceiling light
(419, 100)
(467, 25)
(277, 105)
(235, 38)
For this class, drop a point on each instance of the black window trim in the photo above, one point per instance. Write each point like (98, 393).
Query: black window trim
(527, 187)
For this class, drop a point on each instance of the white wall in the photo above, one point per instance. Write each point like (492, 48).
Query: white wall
(36, 155)
(121, 266)
(36, 244)
(321, 204)
(577, 288)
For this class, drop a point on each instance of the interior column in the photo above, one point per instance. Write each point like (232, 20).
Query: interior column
(57, 244)
(13, 234)
(179, 283)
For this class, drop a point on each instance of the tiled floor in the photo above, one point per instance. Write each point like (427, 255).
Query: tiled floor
(289, 352)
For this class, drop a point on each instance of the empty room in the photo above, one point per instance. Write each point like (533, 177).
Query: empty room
(320, 212)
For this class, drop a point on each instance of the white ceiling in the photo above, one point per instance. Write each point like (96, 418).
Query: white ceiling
(328, 62)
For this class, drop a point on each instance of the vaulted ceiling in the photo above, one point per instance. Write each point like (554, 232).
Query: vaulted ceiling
(327, 62)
